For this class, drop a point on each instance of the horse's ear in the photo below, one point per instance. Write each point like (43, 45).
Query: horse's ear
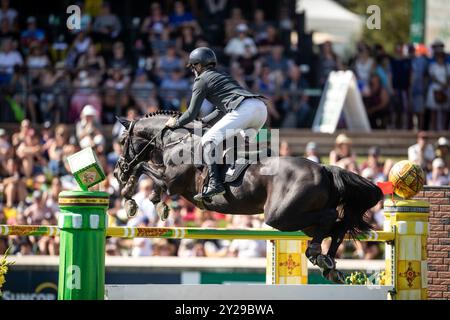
(124, 122)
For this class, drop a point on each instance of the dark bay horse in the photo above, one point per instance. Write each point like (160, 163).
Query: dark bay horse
(293, 193)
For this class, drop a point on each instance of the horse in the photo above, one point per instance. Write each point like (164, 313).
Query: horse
(322, 201)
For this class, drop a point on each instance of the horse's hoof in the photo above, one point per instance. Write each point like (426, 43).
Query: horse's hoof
(325, 262)
(131, 208)
(162, 210)
(335, 276)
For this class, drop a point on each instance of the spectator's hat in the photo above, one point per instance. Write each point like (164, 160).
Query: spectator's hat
(311, 146)
(99, 140)
(37, 194)
(443, 142)
(374, 151)
(31, 19)
(438, 163)
(88, 110)
(241, 27)
(343, 139)
(2, 132)
(437, 43)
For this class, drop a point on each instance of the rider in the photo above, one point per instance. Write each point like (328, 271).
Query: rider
(243, 110)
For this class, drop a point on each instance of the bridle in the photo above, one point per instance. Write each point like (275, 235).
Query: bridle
(125, 165)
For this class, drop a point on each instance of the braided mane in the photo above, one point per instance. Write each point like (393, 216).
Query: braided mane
(165, 113)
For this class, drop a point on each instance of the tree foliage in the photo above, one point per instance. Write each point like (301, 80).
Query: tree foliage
(395, 20)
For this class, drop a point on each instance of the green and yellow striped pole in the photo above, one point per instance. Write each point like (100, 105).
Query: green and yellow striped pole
(82, 223)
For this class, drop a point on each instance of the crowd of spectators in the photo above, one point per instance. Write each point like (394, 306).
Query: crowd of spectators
(83, 80)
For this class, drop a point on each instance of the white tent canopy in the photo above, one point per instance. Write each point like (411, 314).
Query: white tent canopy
(328, 17)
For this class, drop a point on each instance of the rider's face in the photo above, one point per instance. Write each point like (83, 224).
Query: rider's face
(196, 69)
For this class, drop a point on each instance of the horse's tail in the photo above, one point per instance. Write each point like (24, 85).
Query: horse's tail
(357, 196)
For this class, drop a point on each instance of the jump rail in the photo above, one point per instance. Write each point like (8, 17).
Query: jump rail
(82, 228)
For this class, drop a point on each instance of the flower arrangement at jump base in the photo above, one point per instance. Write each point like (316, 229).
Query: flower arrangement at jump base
(360, 278)
(4, 269)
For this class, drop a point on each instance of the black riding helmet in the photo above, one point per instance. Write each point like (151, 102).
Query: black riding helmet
(203, 55)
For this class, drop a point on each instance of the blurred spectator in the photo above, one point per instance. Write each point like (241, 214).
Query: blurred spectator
(231, 23)
(401, 80)
(55, 151)
(38, 210)
(438, 175)
(438, 92)
(36, 59)
(328, 61)
(50, 196)
(155, 16)
(169, 62)
(91, 61)
(119, 59)
(383, 70)
(32, 34)
(7, 31)
(342, 154)
(297, 110)
(6, 12)
(173, 89)
(180, 17)
(14, 187)
(421, 153)
(266, 44)
(373, 167)
(187, 39)
(285, 149)
(6, 151)
(142, 90)
(116, 98)
(419, 66)
(8, 59)
(311, 152)
(146, 213)
(363, 65)
(85, 93)
(377, 103)
(259, 26)
(238, 45)
(278, 64)
(107, 25)
(88, 129)
(29, 152)
(142, 247)
(443, 151)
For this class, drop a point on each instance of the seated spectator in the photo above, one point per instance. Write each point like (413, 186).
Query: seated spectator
(377, 103)
(278, 64)
(142, 247)
(37, 211)
(8, 59)
(6, 12)
(7, 32)
(249, 65)
(36, 59)
(51, 195)
(142, 90)
(271, 40)
(159, 39)
(443, 151)
(6, 151)
(266, 85)
(86, 92)
(55, 151)
(146, 213)
(92, 61)
(119, 60)
(421, 153)
(186, 40)
(164, 248)
(259, 26)
(169, 62)
(437, 176)
(116, 98)
(32, 35)
(13, 183)
(362, 66)
(107, 25)
(180, 17)
(373, 167)
(173, 89)
(342, 154)
(285, 149)
(29, 152)
(236, 18)
(237, 46)
(156, 16)
(87, 129)
(311, 152)
(79, 47)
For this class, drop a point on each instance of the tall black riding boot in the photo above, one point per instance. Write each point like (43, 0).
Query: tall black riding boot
(215, 186)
